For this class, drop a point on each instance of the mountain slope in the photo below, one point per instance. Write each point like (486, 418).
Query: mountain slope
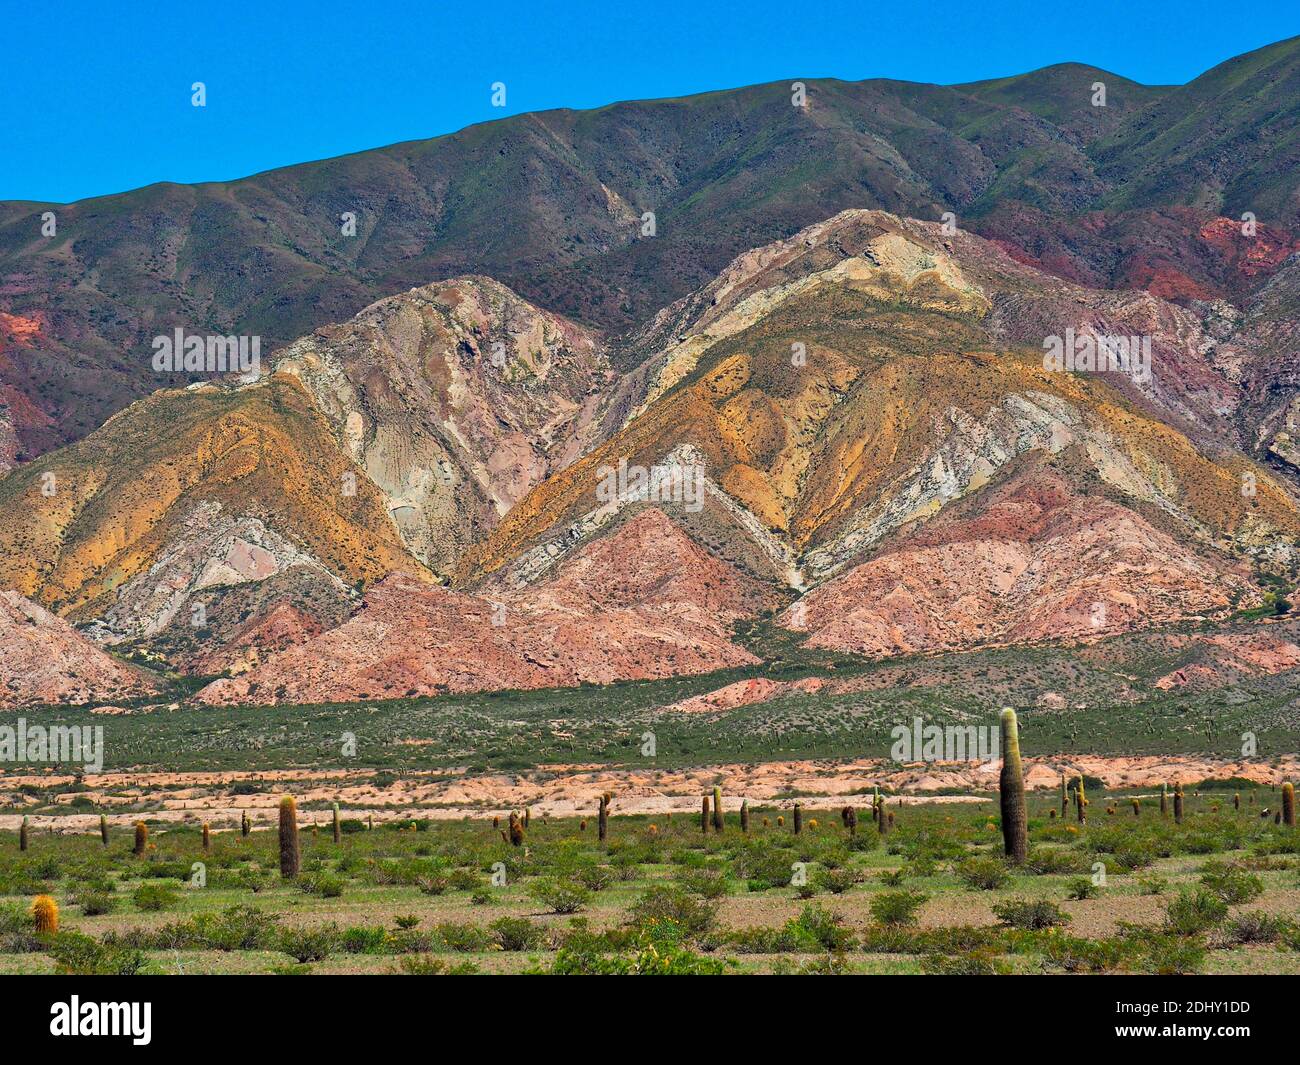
(922, 381)
(456, 399)
(44, 660)
(188, 490)
(644, 602)
(550, 204)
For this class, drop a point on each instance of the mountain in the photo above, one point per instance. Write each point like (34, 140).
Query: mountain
(187, 491)
(44, 660)
(550, 205)
(922, 383)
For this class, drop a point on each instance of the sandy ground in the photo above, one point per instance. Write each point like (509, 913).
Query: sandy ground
(565, 791)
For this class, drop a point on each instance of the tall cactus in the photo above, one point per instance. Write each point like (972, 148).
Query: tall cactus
(207, 837)
(338, 827)
(1080, 801)
(103, 830)
(882, 818)
(245, 824)
(717, 809)
(1288, 804)
(602, 819)
(1011, 785)
(1164, 800)
(1065, 798)
(141, 839)
(798, 819)
(704, 815)
(744, 815)
(1178, 802)
(23, 835)
(290, 856)
(1137, 807)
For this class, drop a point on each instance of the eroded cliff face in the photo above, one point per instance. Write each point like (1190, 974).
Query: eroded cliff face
(456, 399)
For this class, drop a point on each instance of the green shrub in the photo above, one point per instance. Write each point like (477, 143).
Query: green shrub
(1080, 888)
(983, 874)
(1254, 927)
(517, 934)
(967, 963)
(323, 885)
(1232, 885)
(1194, 912)
(836, 881)
(154, 897)
(80, 955)
(1030, 914)
(95, 903)
(897, 908)
(309, 944)
(665, 903)
(560, 896)
(463, 938)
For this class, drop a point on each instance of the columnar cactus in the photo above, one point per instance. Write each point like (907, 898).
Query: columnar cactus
(245, 824)
(602, 819)
(141, 838)
(1178, 802)
(1164, 800)
(45, 914)
(744, 815)
(851, 820)
(798, 819)
(1137, 807)
(516, 830)
(1011, 785)
(882, 818)
(1065, 798)
(103, 830)
(338, 827)
(207, 837)
(1288, 804)
(717, 809)
(1236, 801)
(23, 834)
(290, 856)
(704, 815)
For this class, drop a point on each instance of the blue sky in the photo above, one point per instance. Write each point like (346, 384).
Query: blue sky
(95, 97)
